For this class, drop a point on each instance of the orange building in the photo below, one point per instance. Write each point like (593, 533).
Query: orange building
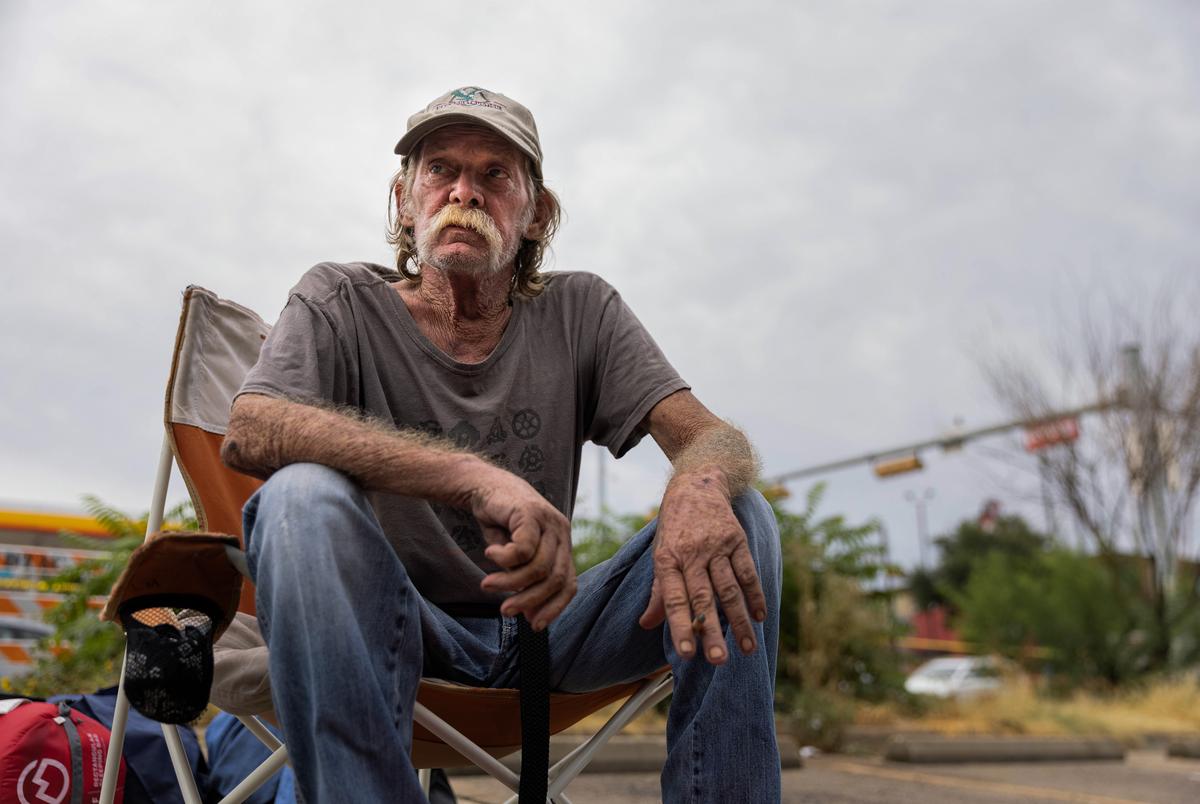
(33, 551)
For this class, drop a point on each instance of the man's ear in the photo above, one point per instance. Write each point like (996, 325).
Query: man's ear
(406, 218)
(541, 218)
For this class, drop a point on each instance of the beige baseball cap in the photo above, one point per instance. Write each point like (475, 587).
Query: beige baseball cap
(481, 107)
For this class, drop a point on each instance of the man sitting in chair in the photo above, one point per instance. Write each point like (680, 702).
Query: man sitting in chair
(421, 432)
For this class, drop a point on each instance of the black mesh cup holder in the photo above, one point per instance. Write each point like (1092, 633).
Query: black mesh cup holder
(169, 655)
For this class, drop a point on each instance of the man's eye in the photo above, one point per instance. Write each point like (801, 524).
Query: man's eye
(436, 168)
(498, 173)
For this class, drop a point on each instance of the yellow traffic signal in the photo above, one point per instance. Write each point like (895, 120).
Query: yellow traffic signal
(898, 466)
(775, 492)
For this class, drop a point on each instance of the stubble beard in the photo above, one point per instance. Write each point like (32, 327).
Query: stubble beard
(499, 254)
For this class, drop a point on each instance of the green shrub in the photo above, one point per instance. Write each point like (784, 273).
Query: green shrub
(1087, 621)
(817, 717)
(597, 540)
(836, 632)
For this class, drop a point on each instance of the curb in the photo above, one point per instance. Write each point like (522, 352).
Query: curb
(626, 754)
(1002, 749)
(1184, 749)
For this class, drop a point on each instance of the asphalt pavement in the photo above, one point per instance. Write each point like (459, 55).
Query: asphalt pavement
(1143, 777)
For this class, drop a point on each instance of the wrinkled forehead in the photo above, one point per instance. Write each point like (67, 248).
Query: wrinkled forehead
(465, 138)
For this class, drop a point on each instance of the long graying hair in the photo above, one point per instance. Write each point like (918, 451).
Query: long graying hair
(528, 280)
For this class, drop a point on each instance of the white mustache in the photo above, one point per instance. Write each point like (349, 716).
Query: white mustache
(476, 220)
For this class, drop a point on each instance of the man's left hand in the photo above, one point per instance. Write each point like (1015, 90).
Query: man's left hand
(701, 557)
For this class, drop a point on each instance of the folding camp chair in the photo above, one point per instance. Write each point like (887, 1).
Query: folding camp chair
(217, 342)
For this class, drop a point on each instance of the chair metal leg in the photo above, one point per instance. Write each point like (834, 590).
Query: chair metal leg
(566, 769)
(116, 743)
(264, 735)
(183, 770)
(258, 777)
(559, 799)
(454, 738)
(425, 777)
(158, 501)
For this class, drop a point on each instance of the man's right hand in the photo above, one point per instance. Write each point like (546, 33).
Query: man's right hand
(528, 537)
(531, 540)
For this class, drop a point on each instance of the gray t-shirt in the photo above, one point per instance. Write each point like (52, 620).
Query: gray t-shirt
(574, 365)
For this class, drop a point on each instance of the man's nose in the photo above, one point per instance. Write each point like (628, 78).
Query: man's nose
(466, 192)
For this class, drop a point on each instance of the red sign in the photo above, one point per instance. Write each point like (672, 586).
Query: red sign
(1047, 434)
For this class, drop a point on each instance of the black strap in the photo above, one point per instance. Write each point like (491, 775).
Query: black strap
(64, 718)
(533, 649)
(474, 610)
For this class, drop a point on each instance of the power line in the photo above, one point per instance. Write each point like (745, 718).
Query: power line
(951, 441)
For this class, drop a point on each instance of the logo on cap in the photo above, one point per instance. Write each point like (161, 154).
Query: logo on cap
(467, 96)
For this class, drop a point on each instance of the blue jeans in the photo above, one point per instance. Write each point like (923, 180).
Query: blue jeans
(350, 638)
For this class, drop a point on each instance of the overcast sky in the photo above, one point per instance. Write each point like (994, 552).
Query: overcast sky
(825, 212)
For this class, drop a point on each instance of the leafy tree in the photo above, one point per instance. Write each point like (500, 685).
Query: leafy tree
(1134, 478)
(84, 654)
(1085, 627)
(835, 632)
(963, 550)
(597, 540)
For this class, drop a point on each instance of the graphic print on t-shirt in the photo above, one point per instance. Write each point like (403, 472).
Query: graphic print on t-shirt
(526, 423)
(521, 456)
(464, 435)
(497, 435)
(532, 460)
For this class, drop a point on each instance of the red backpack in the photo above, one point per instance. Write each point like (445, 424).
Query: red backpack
(51, 754)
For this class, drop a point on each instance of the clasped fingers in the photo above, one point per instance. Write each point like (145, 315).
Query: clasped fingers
(540, 587)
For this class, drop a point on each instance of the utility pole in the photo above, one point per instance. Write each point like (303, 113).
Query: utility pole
(1148, 468)
(601, 483)
(885, 581)
(921, 501)
(1048, 501)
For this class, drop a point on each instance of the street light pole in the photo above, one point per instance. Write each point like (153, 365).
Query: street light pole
(602, 484)
(921, 501)
(1148, 473)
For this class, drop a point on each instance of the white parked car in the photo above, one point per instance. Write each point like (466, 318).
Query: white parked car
(956, 676)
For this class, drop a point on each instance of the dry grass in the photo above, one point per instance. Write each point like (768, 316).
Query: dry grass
(1166, 707)
(649, 722)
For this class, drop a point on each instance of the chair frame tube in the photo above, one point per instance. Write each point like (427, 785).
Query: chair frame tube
(259, 730)
(258, 777)
(455, 739)
(566, 769)
(179, 760)
(116, 741)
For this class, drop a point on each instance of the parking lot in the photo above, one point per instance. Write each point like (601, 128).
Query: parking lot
(1145, 776)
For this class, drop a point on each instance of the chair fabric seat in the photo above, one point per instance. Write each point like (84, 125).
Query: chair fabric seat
(490, 718)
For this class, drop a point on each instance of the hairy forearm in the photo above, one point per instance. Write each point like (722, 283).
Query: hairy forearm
(266, 434)
(718, 454)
